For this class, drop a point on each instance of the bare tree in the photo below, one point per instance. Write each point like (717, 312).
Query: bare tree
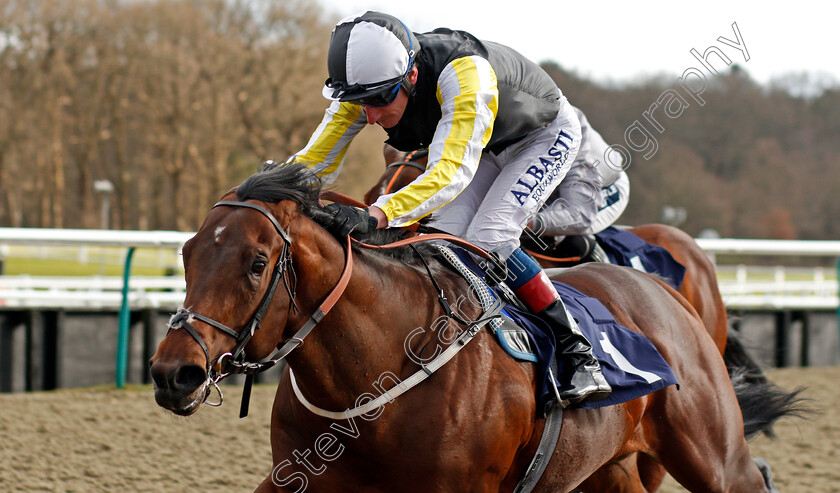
(176, 101)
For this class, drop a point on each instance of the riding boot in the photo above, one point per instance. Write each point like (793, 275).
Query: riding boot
(582, 378)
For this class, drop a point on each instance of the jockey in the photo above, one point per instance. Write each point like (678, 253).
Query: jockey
(590, 198)
(501, 137)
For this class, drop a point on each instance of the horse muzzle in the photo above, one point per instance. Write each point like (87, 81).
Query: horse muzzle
(179, 388)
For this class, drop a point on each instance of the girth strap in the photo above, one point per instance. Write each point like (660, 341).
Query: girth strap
(545, 449)
(404, 386)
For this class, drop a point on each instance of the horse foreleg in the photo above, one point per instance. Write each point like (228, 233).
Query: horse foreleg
(651, 472)
(621, 476)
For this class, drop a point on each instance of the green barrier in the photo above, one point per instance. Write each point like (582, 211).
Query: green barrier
(125, 315)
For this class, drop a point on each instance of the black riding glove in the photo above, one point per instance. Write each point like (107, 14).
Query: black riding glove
(349, 220)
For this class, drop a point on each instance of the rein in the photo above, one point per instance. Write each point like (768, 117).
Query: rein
(552, 259)
(403, 386)
(472, 327)
(491, 311)
(407, 161)
(411, 159)
(410, 164)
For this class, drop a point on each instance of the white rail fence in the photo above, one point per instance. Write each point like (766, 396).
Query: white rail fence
(93, 292)
(742, 286)
(779, 287)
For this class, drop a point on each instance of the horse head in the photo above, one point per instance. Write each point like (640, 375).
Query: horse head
(240, 263)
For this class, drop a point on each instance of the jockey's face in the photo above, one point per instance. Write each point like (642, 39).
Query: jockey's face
(388, 116)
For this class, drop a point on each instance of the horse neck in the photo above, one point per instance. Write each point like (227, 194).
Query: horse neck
(364, 336)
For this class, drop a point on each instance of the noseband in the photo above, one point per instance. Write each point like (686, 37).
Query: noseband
(235, 359)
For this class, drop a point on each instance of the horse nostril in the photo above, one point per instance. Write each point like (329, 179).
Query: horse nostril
(159, 375)
(189, 377)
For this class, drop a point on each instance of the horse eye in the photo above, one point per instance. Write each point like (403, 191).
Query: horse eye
(258, 266)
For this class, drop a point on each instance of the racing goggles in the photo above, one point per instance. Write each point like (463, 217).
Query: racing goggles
(383, 95)
(382, 98)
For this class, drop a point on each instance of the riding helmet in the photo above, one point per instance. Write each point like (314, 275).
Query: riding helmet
(368, 53)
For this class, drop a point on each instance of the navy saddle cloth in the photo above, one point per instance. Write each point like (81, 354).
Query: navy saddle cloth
(629, 361)
(625, 248)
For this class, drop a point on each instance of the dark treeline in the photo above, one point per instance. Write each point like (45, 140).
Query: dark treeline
(176, 101)
(750, 162)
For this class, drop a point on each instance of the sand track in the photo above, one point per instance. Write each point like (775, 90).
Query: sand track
(116, 441)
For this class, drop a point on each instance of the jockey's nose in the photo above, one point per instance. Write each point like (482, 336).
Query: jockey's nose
(373, 114)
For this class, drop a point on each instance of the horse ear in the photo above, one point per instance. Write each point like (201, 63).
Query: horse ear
(391, 154)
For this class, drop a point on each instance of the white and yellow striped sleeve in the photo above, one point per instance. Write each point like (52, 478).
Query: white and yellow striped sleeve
(326, 149)
(469, 98)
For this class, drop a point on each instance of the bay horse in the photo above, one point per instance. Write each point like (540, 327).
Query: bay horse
(699, 286)
(260, 268)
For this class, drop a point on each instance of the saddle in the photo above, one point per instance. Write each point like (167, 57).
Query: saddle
(629, 361)
(613, 246)
(568, 252)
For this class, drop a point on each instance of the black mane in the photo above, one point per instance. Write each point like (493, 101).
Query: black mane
(299, 184)
(278, 182)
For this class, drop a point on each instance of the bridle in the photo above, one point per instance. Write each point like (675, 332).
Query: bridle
(233, 362)
(408, 160)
